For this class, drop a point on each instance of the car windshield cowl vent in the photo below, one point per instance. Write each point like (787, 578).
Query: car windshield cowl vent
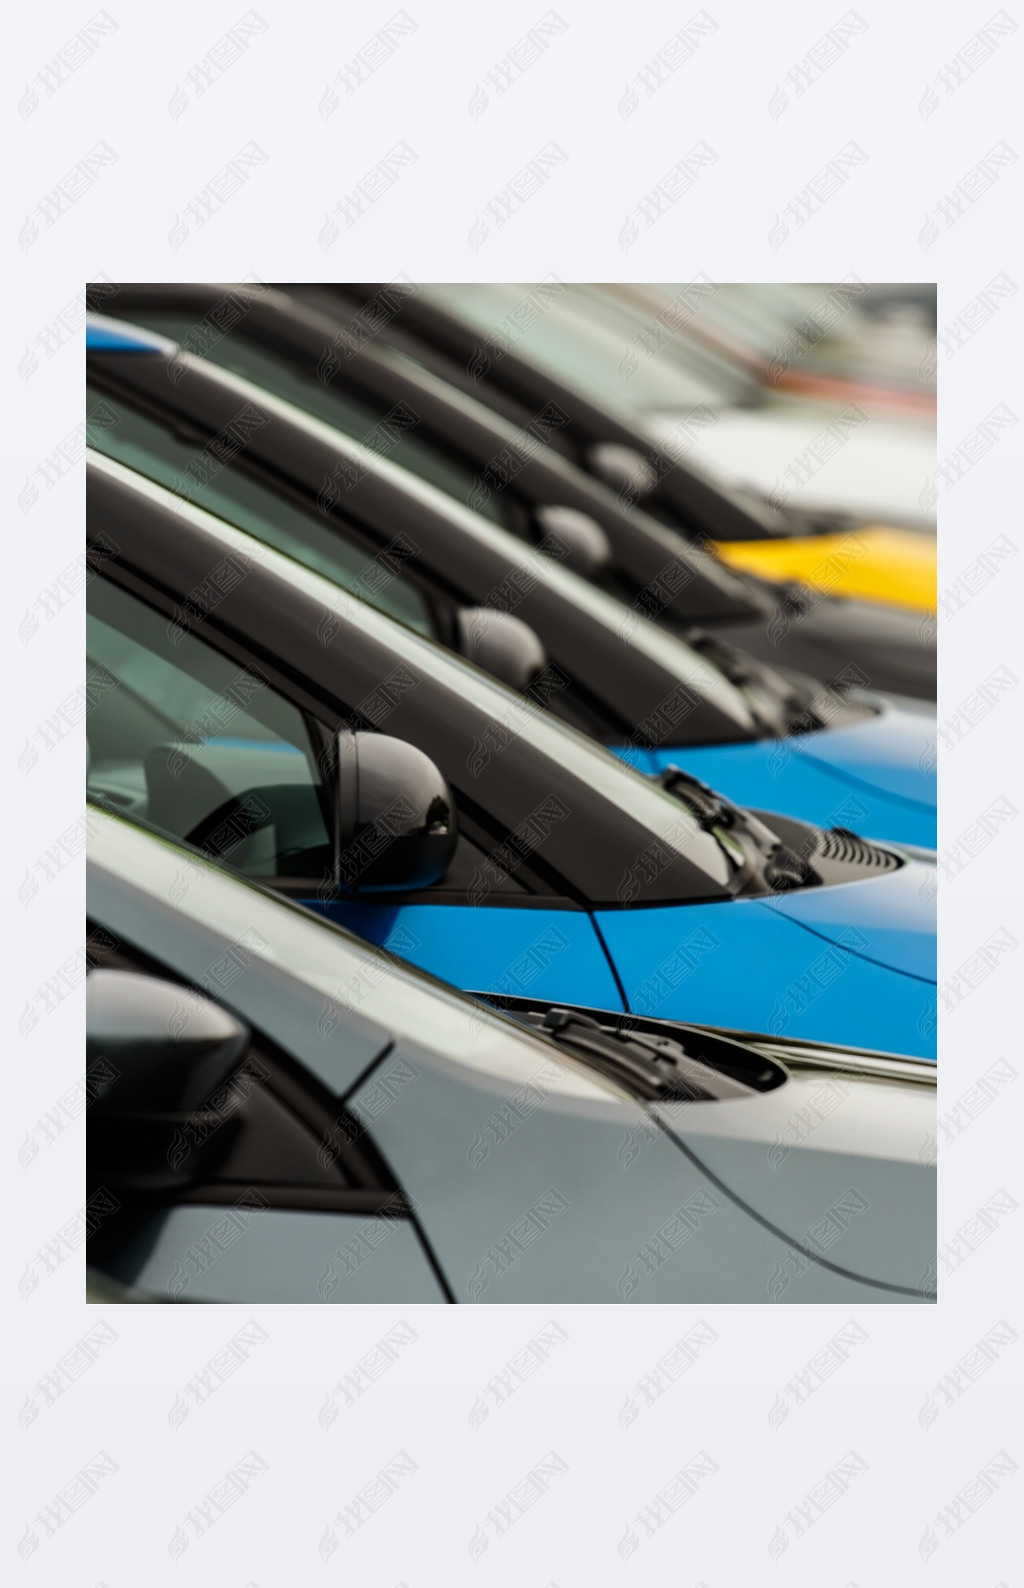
(838, 843)
(658, 1061)
(835, 854)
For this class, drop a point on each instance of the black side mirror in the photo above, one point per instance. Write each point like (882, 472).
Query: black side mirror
(156, 1053)
(578, 540)
(501, 644)
(396, 823)
(623, 468)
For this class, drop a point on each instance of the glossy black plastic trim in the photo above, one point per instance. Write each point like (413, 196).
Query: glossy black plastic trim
(275, 625)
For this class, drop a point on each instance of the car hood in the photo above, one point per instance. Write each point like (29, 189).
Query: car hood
(893, 751)
(875, 562)
(852, 964)
(880, 468)
(889, 920)
(875, 777)
(843, 1164)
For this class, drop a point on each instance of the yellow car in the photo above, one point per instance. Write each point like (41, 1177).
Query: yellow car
(875, 563)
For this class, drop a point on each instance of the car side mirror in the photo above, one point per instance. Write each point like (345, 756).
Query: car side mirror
(501, 645)
(623, 468)
(578, 540)
(156, 1054)
(396, 821)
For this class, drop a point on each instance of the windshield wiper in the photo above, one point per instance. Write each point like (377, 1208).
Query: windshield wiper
(657, 1067)
(762, 863)
(776, 702)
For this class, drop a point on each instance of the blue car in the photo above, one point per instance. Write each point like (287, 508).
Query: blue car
(832, 756)
(243, 703)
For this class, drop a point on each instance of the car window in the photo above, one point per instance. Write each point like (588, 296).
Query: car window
(234, 494)
(574, 347)
(356, 416)
(198, 745)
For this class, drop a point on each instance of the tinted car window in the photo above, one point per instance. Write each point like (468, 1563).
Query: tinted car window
(146, 444)
(574, 347)
(353, 416)
(181, 737)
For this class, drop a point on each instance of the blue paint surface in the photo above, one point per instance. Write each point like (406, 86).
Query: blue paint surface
(877, 777)
(552, 954)
(747, 965)
(889, 919)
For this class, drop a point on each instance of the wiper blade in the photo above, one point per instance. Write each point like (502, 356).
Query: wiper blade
(658, 1068)
(761, 860)
(780, 703)
(767, 694)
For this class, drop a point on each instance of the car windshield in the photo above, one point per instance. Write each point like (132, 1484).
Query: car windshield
(565, 340)
(150, 446)
(353, 416)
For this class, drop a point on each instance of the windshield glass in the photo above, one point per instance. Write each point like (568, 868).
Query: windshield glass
(151, 447)
(353, 416)
(570, 343)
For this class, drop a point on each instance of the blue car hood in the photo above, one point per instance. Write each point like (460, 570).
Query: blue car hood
(894, 751)
(850, 965)
(876, 777)
(889, 920)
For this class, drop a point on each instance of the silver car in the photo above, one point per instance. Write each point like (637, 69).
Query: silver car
(283, 1113)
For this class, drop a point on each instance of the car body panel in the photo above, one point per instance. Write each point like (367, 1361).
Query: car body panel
(549, 953)
(823, 1143)
(876, 563)
(883, 923)
(892, 912)
(875, 777)
(277, 1255)
(750, 966)
(879, 469)
(893, 752)
(522, 1196)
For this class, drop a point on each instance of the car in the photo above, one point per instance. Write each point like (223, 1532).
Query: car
(516, 474)
(745, 479)
(243, 702)
(857, 471)
(850, 340)
(784, 743)
(279, 1113)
